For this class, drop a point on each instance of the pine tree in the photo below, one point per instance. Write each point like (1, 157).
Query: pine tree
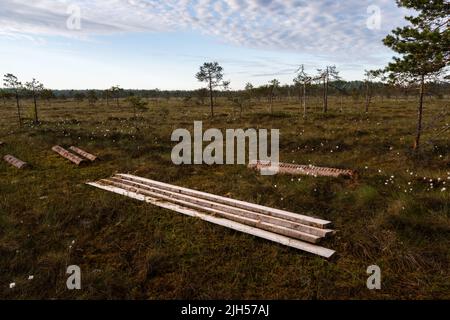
(11, 82)
(326, 75)
(301, 81)
(423, 47)
(212, 73)
(274, 84)
(92, 97)
(35, 87)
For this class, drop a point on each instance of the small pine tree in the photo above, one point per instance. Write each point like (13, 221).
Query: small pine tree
(35, 87)
(11, 82)
(423, 46)
(92, 97)
(274, 84)
(326, 75)
(301, 80)
(212, 73)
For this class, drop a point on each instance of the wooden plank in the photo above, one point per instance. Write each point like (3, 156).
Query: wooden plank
(246, 213)
(238, 218)
(69, 156)
(302, 219)
(15, 162)
(294, 169)
(230, 209)
(83, 153)
(304, 246)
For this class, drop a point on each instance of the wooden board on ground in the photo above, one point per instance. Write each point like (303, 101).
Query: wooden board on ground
(216, 207)
(69, 156)
(229, 213)
(295, 217)
(15, 162)
(308, 170)
(83, 153)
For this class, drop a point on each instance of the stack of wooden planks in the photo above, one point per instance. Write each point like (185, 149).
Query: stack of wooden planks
(309, 170)
(284, 227)
(80, 157)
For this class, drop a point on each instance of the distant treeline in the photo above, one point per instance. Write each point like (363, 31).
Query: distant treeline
(354, 89)
(346, 88)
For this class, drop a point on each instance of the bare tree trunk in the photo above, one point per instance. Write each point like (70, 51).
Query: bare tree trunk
(420, 113)
(18, 108)
(367, 97)
(325, 95)
(211, 99)
(304, 100)
(36, 120)
(271, 101)
(135, 117)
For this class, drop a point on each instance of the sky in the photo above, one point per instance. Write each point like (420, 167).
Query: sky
(146, 44)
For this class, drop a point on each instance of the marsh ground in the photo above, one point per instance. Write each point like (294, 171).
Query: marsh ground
(395, 215)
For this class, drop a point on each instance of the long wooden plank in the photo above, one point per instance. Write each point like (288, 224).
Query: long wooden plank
(245, 220)
(15, 162)
(302, 219)
(69, 156)
(83, 153)
(304, 246)
(295, 169)
(230, 209)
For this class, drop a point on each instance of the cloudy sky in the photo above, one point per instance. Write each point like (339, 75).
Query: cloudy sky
(160, 44)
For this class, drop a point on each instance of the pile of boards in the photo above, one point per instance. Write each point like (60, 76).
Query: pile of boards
(284, 227)
(80, 157)
(308, 170)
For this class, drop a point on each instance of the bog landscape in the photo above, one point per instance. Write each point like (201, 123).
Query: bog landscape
(88, 178)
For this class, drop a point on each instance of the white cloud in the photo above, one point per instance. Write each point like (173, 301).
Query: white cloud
(327, 27)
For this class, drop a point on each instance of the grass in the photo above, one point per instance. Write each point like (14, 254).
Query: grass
(392, 215)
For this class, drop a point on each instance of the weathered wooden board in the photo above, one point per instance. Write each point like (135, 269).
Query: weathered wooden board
(287, 241)
(69, 156)
(190, 202)
(206, 204)
(83, 153)
(295, 217)
(15, 162)
(294, 169)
